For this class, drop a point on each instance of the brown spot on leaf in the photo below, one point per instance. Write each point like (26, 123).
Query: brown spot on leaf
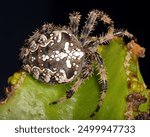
(136, 99)
(136, 49)
(142, 116)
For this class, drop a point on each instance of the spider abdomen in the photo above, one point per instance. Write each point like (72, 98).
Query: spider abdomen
(53, 55)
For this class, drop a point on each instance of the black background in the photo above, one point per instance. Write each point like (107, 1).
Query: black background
(18, 18)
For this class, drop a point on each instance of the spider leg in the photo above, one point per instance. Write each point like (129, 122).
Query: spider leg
(124, 33)
(87, 71)
(91, 21)
(111, 35)
(74, 22)
(69, 93)
(103, 82)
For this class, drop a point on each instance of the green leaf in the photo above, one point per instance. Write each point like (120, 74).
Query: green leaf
(29, 98)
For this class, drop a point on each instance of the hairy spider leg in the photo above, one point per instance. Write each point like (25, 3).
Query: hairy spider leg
(87, 71)
(74, 22)
(111, 35)
(103, 82)
(124, 33)
(91, 22)
(101, 40)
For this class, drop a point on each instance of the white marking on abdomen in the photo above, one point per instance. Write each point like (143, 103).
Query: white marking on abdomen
(64, 78)
(68, 64)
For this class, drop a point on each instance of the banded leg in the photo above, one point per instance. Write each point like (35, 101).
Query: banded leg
(86, 73)
(124, 33)
(74, 22)
(91, 21)
(103, 82)
(111, 35)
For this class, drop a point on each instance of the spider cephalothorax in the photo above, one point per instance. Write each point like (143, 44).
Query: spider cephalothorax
(56, 54)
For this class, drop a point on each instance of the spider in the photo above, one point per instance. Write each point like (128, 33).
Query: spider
(59, 54)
